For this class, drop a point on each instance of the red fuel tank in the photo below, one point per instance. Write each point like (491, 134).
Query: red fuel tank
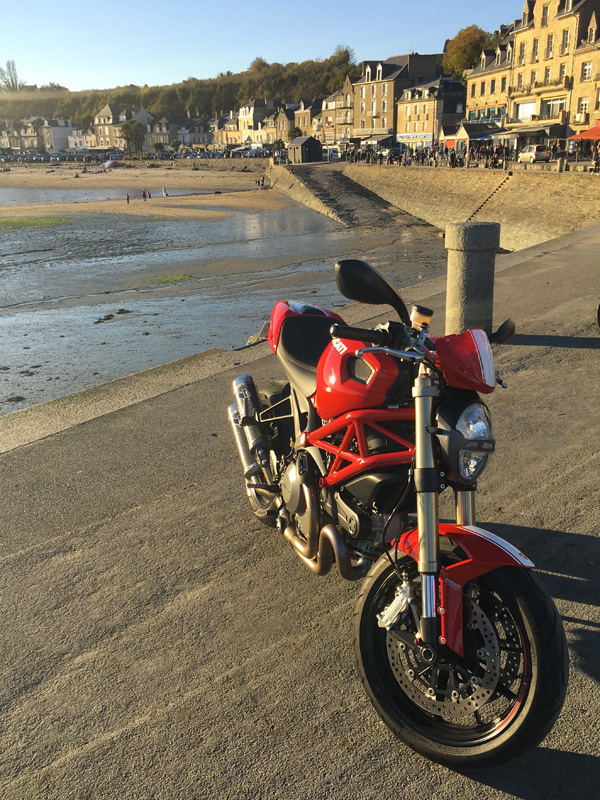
(346, 382)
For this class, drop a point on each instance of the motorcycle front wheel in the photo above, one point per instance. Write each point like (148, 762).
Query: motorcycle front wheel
(483, 709)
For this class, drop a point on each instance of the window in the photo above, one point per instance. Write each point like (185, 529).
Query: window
(362, 108)
(416, 125)
(520, 80)
(473, 89)
(565, 42)
(408, 111)
(547, 73)
(384, 105)
(533, 77)
(582, 105)
(384, 122)
(407, 127)
(586, 71)
(373, 90)
(368, 74)
(492, 86)
(362, 123)
(536, 50)
(362, 91)
(374, 107)
(522, 53)
(592, 35)
(568, 5)
(503, 84)
(562, 71)
(373, 123)
(424, 126)
(509, 55)
(482, 89)
(550, 46)
(384, 89)
(379, 74)
(498, 57)
(544, 16)
(482, 65)
(424, 108)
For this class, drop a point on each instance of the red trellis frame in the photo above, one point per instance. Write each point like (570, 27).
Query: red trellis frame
(348, 463)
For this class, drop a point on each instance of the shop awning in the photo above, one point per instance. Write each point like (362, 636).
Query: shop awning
(591, 133)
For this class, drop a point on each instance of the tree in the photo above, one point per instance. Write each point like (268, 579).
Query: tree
(134, 133)
(464, 50)
(175, 145)
(158, 147)
(294, 134)
(9, 80)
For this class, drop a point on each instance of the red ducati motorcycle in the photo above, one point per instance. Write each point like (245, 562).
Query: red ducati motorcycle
(459, 647)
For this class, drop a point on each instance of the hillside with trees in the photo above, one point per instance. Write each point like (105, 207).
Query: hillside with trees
(289, 83)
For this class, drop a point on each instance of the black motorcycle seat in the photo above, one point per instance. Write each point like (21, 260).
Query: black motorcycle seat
(301, 342)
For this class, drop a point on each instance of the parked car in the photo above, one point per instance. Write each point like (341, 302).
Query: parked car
(533, 153)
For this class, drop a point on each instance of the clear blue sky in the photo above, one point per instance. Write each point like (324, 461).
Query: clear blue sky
(89, 47)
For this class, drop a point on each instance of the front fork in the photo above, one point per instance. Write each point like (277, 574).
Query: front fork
(427, 485)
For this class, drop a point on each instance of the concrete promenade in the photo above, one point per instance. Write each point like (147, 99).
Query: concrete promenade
(158, 643)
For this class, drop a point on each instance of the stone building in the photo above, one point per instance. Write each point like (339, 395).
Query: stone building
(305, 114)
(376, 92)
(551, 68)
(424, 109)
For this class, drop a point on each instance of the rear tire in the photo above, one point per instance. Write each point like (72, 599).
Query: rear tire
(264, 507)
(481, 710)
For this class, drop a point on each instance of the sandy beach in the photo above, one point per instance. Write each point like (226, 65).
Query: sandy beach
(230, 185)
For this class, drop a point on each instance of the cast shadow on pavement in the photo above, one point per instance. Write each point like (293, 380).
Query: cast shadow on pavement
(566, 563)
(543, 773)
(572, 342)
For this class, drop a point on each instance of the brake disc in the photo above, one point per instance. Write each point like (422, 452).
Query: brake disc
(448, 688)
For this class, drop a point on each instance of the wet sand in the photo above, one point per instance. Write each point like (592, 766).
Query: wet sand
(187, 273)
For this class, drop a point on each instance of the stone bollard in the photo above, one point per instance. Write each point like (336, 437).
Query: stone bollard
(472, 248)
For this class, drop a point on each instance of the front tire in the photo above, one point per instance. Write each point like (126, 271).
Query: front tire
(486, 708)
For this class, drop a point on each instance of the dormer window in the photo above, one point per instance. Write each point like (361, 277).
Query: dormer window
(482, 62)
(498, 57)
(368, 74)
(509, 56)
(379, 73)
(568, 5)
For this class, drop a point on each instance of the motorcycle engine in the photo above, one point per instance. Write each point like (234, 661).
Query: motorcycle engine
(291, 490)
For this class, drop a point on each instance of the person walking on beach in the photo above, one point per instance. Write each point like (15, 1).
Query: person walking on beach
(165, 193)
(149, 195)
(144, 195)
(127, 198)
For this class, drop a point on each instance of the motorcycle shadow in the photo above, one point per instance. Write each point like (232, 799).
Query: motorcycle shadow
(545, 772)
(565, 563)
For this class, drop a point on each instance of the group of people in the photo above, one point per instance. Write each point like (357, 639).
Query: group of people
(146, 195)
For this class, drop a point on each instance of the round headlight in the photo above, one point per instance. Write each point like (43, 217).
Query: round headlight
(475, 423)
(465, 437)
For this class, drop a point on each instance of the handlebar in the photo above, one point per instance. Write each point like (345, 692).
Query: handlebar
(338, 331)
(410, 355)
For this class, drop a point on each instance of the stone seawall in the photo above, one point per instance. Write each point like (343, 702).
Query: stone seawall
(531, 207)
(288, 182)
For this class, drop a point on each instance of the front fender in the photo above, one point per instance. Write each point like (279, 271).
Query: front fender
(484, 552)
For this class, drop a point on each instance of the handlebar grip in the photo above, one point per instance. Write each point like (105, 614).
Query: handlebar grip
(338, 331)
